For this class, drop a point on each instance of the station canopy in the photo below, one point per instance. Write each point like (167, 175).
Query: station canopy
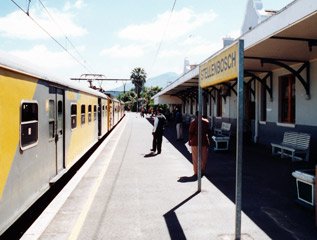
(287, 38)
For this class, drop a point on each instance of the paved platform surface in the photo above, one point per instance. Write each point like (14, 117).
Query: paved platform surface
(123, 192)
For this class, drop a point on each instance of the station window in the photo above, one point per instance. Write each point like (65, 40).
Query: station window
(51, 120)
(210, 106)
(249, 108)
(287, 99)
(29, 125)
(73, 115)
(83, 113)
(263, 103)
(89, 113)
(191, 106)
(95, 112)
(219, 104)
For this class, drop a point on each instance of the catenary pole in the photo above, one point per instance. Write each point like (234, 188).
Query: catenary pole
(240, 113)
(199, 135)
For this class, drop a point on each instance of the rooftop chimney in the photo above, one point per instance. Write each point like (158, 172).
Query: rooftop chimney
(227, 41)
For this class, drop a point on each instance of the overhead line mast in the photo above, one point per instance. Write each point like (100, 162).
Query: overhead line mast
(89, 77)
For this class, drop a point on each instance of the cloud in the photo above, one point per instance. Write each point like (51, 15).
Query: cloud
(178, 41)
(198, 46)
(181, 23)
(18, 25)
(79, 4)
(54, 62)
(235, 34)
(169, 53)
(118, 51)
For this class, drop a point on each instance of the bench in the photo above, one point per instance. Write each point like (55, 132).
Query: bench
(222, 136)
(294, 145)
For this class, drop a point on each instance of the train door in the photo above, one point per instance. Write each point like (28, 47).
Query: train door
(99, 117)
(56, 123)
(59, 137)
(110, 117)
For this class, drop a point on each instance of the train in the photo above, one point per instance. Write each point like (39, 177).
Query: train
(46, 125)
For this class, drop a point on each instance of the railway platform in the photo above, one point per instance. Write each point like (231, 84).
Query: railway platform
(124, 192)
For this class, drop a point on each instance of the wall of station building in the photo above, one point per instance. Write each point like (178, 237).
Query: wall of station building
(305, 114)
(272, 129)
(167, 99)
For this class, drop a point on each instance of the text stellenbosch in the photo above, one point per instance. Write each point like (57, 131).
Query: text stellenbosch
(226, 63)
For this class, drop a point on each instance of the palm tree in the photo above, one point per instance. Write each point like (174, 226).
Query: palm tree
(138, 77)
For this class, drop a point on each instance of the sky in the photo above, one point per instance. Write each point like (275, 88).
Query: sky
(74, 37)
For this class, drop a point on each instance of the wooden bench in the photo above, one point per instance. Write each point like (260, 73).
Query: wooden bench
(294, 145)
(222, 136)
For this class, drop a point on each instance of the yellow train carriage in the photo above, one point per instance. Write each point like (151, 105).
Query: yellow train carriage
(116, 111)
(104, 116)
(82, 124)
(46, 125)
(26, 162)
(110, 114)
(121, 110)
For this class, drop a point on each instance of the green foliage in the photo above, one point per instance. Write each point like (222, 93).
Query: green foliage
(140, 96)
(130, 98)
(138, 77)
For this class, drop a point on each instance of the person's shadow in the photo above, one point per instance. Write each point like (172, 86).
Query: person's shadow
(151, 154)
(187, 178)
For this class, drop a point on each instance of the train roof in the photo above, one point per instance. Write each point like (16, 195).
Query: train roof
(15, 64)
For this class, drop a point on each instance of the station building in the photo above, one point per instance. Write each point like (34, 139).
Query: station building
(280, 77)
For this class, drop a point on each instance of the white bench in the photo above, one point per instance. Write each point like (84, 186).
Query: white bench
(294, 145)
(222, 137)
(305, 184)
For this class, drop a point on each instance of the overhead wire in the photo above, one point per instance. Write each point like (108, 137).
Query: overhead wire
(60, 28)
(50, 35)
(164, 32)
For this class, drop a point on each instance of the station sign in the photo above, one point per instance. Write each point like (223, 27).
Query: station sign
(221, 67)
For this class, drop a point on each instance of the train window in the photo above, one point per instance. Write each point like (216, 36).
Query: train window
(83, 113)
(51, 120)
(29, 124)
(89, 113)
(73, 115)
(95, 112)
(60, 116)
(103, 110)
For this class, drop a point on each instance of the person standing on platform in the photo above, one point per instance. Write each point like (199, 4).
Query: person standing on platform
(193, 142)
(179, 124)
(158, 130)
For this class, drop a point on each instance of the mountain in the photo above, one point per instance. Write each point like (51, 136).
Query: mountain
(161, 81)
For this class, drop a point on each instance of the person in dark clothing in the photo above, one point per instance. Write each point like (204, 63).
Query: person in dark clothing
(158, 130)
(179, 124)
(193, 142)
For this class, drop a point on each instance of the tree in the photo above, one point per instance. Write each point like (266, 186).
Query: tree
(138, 76)
(130, 98)
(148, 93)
